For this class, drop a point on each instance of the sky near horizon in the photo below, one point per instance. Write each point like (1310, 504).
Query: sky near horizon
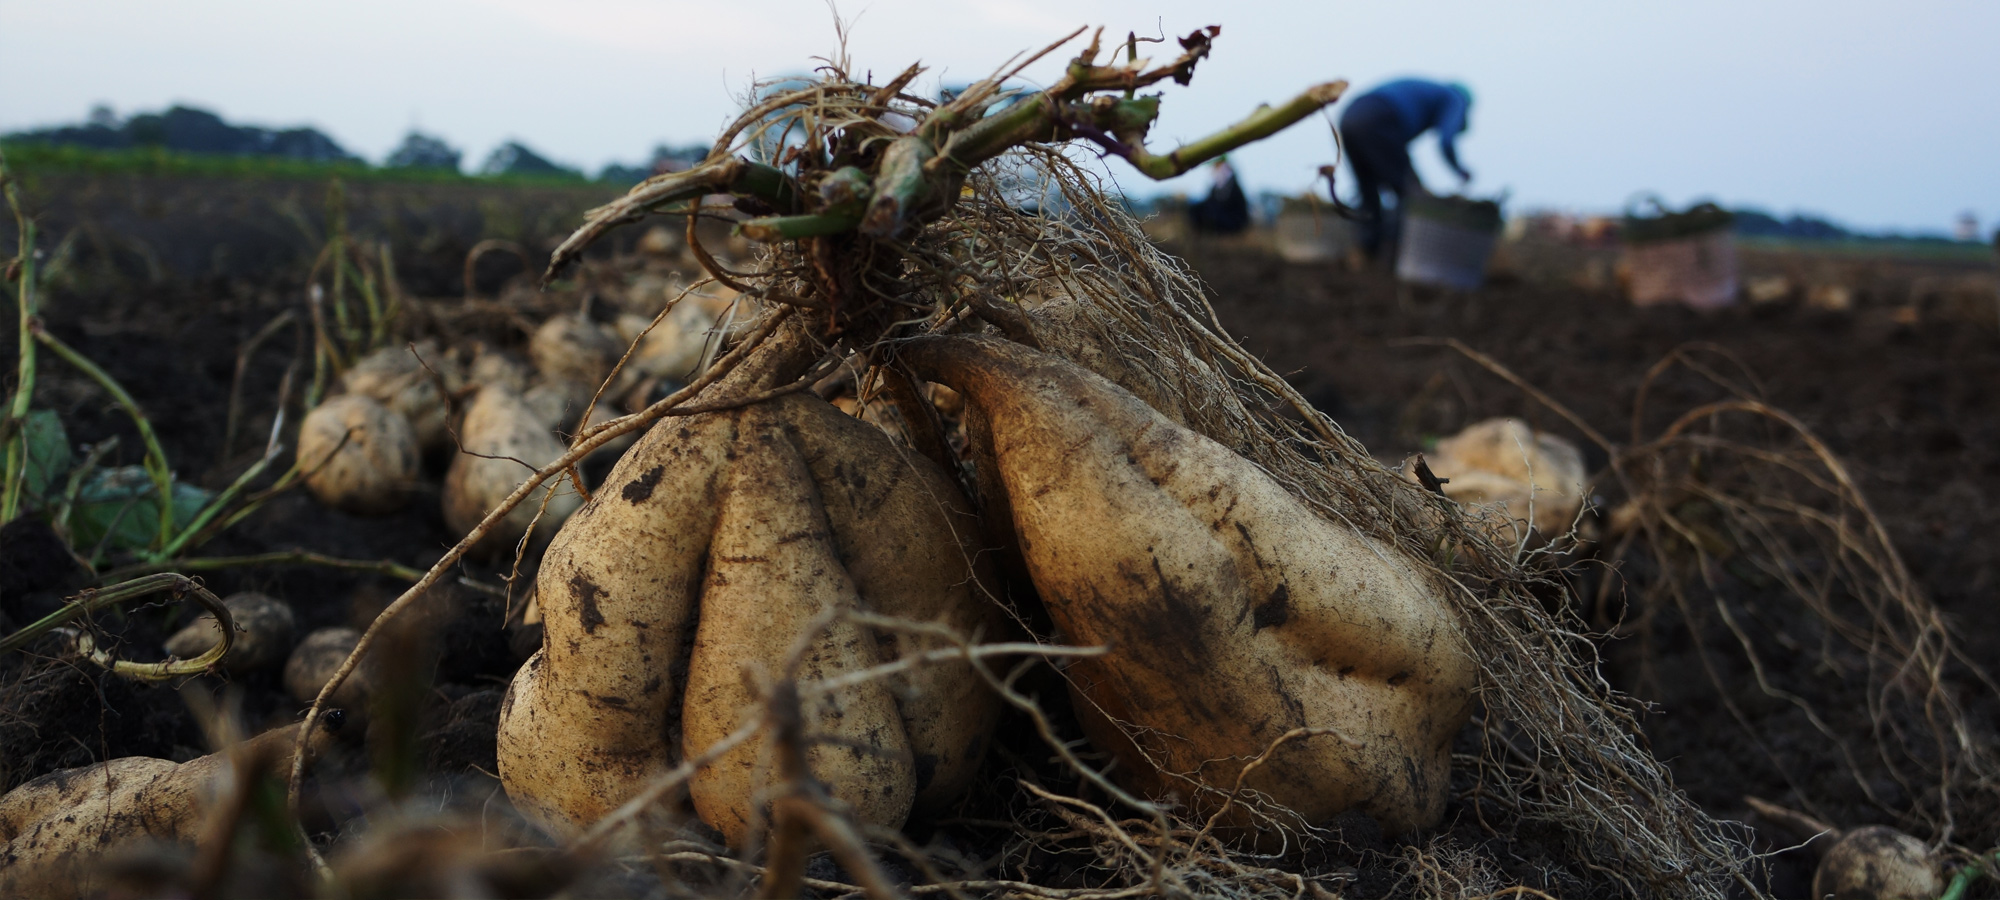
(1880, 116)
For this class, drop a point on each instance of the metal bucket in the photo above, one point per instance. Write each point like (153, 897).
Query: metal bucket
(1304, 236)
(1698, 270)
(1445, 254)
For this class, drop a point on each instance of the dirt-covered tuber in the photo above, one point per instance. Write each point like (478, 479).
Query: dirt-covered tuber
(265, 631)
(1877, 863)
(714, 545)
(1522, 477)
(57, 829)
(411, 381)
(314, 661)
(502, 441)
(1234, 614)
(358, 455)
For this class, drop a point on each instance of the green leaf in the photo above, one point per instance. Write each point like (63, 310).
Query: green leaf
(48, 453)
(121, 508)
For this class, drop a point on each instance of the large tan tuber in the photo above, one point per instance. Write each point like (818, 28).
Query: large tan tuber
(502, 441)
(1522, 477)
(574, 347)
(265, 627)
(406, 379)
(358, 455)
(1233, 613)
(674, 347)
(712, 546)
(1876, 862)
(313, 662)
(56, 830)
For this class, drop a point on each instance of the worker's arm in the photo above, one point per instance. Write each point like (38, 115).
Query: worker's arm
(1451, 122)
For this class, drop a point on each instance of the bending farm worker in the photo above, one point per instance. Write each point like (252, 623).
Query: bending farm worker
(1377, 129)
(1225, 210)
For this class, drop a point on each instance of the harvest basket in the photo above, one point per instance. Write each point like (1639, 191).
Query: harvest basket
(1306, 234)
(1686, 257)
(1447, 241)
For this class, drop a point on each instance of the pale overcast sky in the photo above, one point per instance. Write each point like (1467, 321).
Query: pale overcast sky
(1879, 115)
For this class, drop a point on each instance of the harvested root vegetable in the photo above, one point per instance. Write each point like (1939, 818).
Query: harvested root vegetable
(557, 402)
(502, 442)
(574, 347)
(397, 378)
(266, 630)
(1522, 477)
(58, 828)
(674, 347)
(498, 368)
(358, 455)
(1233, 613)
(713, 545)
(1877, 863)
(314, 661)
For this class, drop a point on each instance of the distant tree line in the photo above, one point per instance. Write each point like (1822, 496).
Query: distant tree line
(185, 129)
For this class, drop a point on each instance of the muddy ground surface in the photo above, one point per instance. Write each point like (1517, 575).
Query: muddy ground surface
(1900, 385)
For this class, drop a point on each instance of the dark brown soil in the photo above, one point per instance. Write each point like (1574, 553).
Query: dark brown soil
(1908, 404)
(1907, 401)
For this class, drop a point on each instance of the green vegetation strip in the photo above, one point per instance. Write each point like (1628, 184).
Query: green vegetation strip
(31, 158)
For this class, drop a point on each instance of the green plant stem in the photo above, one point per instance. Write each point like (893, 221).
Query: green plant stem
(156, 458)
(1263, 123)
(280, 558)
(93, 599)
(770, 229)
(1962, 882)
(201, 535)
(214, 507)
(75, 486)
(24, 387)
(16, 437)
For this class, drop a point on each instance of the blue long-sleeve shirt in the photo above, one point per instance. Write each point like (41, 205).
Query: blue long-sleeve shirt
(1424, 106)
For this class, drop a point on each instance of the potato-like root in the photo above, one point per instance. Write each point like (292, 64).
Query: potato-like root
(714, 544)
(502, 442)
(314, 661)
(1233, 613)
(1523, 478)
(406, 380)
(358, 455)
(574, 347)
(265, 626)
(1877, 863)
(674, 347)
(57, 828)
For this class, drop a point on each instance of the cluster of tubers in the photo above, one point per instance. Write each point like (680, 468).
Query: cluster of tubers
(1234, 614)
(714, 545)
(497, 419)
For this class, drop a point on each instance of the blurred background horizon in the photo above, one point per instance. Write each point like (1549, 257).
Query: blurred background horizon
(1881, 119)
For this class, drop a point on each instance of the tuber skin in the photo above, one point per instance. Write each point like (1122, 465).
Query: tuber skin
(57, 829)
(314, 661)
(396, 377)
(1529, 479)
(358, 455)
(574, 347)
(502, 442)
(266, 625)
(1876, 862)
(713, 544)
(1233, 613)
